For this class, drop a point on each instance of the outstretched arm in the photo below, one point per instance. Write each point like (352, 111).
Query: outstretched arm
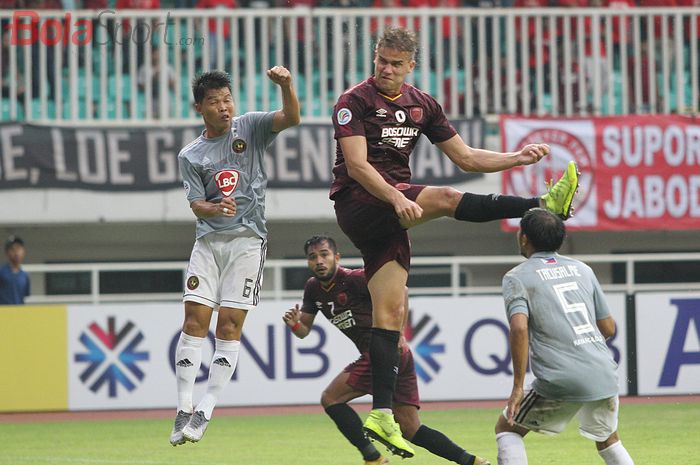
(487, 161)
(290, 114)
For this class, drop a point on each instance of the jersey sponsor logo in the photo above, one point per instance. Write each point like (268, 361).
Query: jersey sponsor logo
(238, 146)
(192, 283)
(227, 181)
(381, 113)
(416, 114)
(343, 116)
(399, 137)
(112, 356)
(343, 320)
(421, 337)
(400, 116)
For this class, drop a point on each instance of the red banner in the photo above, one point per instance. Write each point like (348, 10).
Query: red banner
(639, 172)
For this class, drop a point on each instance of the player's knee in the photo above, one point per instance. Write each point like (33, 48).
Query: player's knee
(447, 199)
(327, 399)
(194, 327)
(229, 331)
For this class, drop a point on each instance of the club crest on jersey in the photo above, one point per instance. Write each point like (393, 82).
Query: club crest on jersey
(342, 298)
(238, 145)
(343, 116)
(416, 114)
(227, 181)
(192, 283)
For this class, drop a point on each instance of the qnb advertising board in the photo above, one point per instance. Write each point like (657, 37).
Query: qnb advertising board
(121, 356)
(668, 343)
(638, 172)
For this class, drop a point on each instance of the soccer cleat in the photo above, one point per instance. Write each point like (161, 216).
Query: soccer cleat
(381, 427)
(560, 195)
(182, 418)
(380, 461)
(481, 461)
(195, 429)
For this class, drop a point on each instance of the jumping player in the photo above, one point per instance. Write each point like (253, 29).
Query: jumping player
(225, 182)
(341, 295)
(377, 125)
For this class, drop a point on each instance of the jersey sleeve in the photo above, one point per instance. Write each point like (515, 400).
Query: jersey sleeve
(347, 116)
(515, 296)
(438, 128)
(308, 305)
(260, 123)
(194, 189)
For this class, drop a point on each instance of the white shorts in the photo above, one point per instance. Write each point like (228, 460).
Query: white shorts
(597, 419)
(226, 271)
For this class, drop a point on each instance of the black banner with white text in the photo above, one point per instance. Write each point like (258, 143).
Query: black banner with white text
(145, 159)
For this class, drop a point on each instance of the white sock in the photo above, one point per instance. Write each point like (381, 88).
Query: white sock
(223, 364)
(616, 455)
(511, 449)
(188, 358)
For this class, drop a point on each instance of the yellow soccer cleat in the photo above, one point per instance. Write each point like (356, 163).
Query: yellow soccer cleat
(381, 427)
(559, 197)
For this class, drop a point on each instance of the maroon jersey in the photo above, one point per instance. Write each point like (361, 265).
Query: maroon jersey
(391, 126)
(345, 301)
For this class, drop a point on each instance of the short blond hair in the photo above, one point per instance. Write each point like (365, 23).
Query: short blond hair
(398, 38)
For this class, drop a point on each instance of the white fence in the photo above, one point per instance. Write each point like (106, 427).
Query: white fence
(554, 61)
(461, 272)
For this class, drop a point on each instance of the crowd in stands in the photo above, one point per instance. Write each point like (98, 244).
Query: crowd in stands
(153, 4)
(639, 64)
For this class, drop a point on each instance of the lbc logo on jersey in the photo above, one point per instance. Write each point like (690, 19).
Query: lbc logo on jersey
(227, 180)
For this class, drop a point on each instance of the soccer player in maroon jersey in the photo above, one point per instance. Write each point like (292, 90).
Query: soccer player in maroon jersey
(377, 124)
(341, 295)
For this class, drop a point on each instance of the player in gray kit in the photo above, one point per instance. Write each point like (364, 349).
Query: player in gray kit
(559, 316)
(225, 180)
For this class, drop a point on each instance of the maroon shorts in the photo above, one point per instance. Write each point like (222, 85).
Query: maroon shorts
(374, 228)
(406, 391)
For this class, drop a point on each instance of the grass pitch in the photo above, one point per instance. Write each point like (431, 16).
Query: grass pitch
(653, 434)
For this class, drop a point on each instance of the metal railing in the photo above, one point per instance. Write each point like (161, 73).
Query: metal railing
(482, 61)
(456, 267)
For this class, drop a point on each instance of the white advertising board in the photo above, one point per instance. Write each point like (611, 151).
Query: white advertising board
(668, 343)
(120, 356)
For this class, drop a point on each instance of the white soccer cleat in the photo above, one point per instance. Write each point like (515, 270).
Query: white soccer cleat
(195, 429)
(181, 420)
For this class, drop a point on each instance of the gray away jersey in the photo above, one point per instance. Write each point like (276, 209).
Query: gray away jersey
(231, 165)
(563, 299)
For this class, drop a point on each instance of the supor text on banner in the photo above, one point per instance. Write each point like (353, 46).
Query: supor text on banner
(639, 172)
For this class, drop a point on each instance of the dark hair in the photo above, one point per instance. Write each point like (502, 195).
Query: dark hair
(400, 39)
(544, 230)
(315, 240)
(12, 240)
(209, 80)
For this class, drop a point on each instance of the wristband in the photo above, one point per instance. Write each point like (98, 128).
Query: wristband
(296, 326)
